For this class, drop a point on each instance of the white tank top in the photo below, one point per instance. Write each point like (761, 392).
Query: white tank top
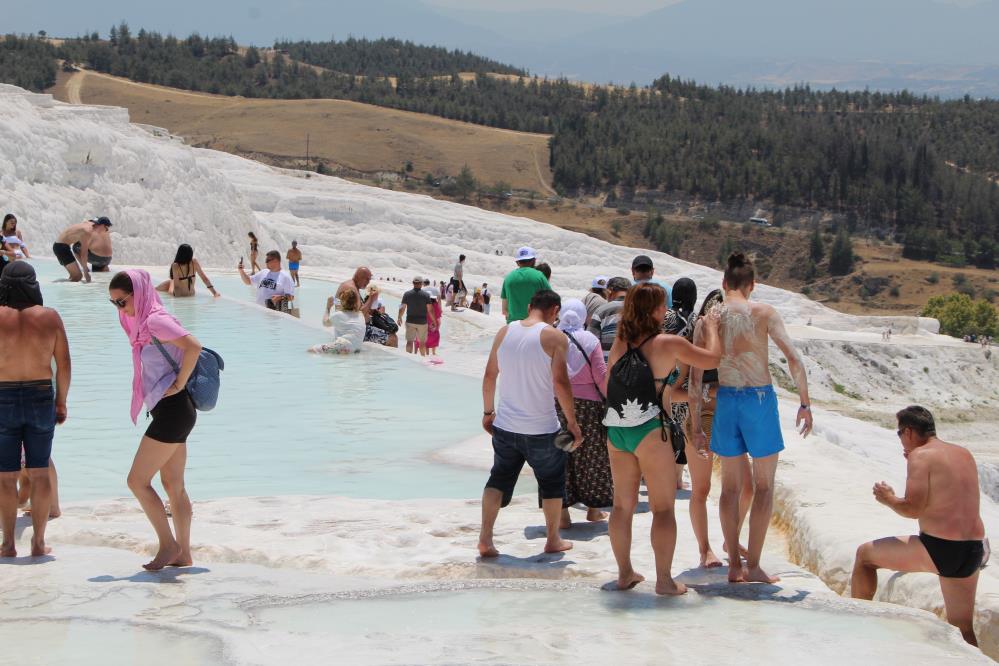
(526, 391)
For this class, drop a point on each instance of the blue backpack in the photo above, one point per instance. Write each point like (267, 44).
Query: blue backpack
(205, 381)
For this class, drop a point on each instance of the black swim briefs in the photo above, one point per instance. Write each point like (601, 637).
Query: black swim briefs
(954, 559)
(63, 253)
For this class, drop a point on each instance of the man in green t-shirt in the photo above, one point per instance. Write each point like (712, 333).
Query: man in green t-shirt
(520, 285)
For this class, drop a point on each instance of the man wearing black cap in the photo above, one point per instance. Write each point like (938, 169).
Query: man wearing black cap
(89, 240)
(643, 271)
(29, 407)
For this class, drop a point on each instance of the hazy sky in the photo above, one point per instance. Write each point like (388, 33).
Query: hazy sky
(616, 7)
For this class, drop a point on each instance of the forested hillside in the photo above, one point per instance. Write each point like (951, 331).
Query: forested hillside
(426, 78)
(391, 57)
(27, 62)
(916, 168)
(911, 168)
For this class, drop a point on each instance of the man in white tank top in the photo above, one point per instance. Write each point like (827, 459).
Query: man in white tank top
(528, 358)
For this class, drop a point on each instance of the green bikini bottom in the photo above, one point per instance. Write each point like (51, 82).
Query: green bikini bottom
(628, 439)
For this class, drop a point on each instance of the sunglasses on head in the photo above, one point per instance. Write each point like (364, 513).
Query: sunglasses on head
(119, 302)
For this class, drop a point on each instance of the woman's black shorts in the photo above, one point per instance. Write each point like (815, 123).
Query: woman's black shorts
(173, 419)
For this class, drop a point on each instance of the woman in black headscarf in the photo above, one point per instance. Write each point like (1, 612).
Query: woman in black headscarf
(678, 317)
(679, 321)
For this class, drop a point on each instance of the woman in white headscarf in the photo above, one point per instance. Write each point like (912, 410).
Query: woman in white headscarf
(588, 476)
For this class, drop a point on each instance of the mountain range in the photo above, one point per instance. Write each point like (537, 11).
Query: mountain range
(923, 45)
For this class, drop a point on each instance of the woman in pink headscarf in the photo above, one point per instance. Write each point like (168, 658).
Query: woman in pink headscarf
(158, 386)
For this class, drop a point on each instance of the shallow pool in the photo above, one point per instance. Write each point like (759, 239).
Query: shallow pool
(288, 422)
(246, 615)
(534, 624)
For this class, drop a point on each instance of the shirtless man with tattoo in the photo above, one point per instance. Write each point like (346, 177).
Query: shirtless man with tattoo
(746, 419)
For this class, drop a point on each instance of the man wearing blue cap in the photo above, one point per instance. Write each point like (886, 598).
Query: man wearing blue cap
(520, 285)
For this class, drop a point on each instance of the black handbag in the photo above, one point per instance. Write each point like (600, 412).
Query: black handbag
(384, 322)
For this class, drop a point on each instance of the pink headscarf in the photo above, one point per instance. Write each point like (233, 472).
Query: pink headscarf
(150, 320)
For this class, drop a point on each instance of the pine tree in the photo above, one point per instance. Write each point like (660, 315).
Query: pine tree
(841, 258)
(465, 182)
(817, 248)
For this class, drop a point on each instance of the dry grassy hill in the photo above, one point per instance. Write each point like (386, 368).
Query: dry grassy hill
(360, 137)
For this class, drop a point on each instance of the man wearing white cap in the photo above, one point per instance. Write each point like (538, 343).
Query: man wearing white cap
(520, 285)
(596, 297)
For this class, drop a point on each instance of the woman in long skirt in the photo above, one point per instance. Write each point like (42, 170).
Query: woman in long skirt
(588, 475)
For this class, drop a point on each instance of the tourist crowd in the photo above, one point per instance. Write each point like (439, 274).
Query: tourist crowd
(597, 395)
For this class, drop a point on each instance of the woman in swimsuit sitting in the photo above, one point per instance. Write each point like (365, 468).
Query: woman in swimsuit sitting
(638, 442)
(184, 269)
(12, 242)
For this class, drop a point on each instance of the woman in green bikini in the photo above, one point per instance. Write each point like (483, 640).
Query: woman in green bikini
(638, 444)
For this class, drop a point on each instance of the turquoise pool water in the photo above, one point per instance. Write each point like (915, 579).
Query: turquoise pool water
(288, 422)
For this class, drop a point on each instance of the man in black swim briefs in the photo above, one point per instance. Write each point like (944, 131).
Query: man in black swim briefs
(85, 241)
(941, 492)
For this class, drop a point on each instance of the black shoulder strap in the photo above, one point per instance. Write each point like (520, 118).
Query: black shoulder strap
(642, 343)
(173, 363)
(587, 359)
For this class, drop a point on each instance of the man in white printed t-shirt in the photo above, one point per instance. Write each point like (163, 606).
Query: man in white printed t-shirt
(275, 287)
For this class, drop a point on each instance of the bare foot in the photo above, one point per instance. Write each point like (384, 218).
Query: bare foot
(758, 575)
(595, 515)
(54, 513)
(743, 551)
(627, 582)
(163, 558)
(559, 546)
(710, 561)
(487, 550)
(737, 573)
(8, 550)
(182, 560)
(39, 549)
(670, 587)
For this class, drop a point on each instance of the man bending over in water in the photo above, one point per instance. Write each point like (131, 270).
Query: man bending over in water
(81, 243)
(29, 408)
(941, 492)
(746, 419)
